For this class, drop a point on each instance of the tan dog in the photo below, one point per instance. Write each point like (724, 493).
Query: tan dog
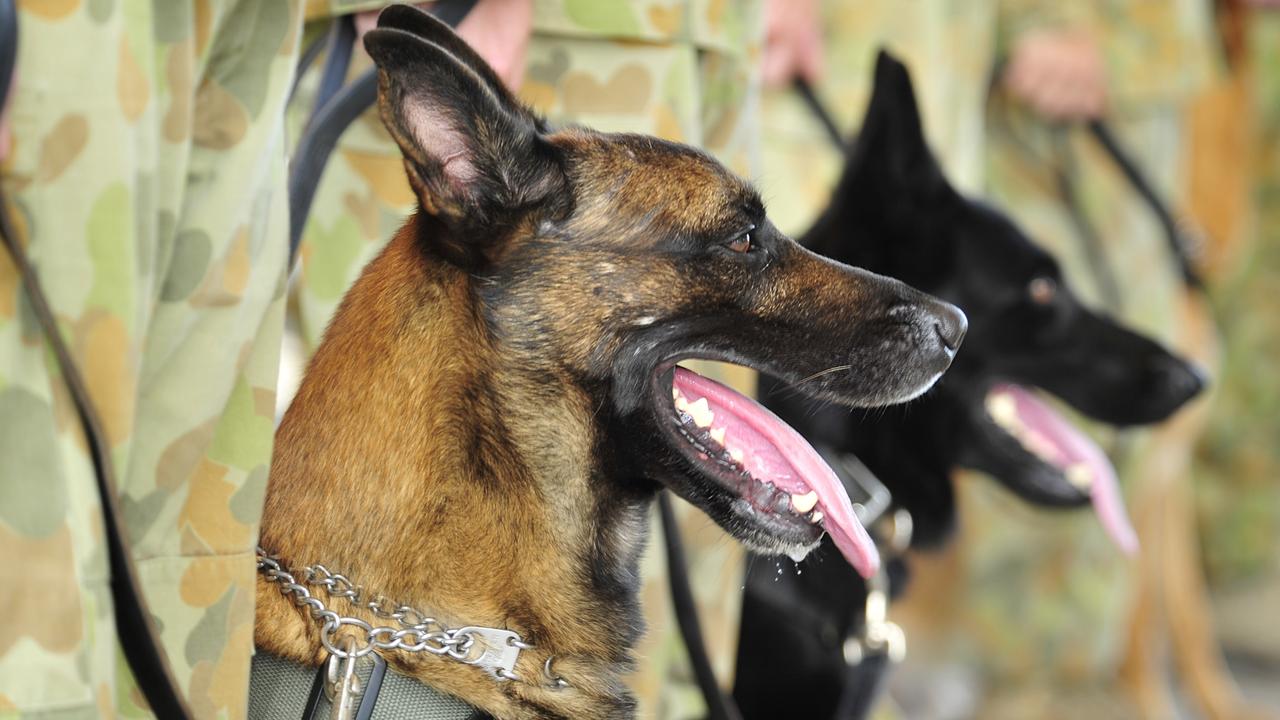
(491, 413)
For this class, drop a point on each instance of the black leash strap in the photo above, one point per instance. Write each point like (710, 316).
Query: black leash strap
(863, 683)
(820, 112)
(719, 705)
(134, 629)
(335, 109)
(1178, 244)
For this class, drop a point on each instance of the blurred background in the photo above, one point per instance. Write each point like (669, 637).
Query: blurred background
(161, 129)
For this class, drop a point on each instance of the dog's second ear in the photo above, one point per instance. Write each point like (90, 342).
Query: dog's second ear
(891, 147)
(476, 159)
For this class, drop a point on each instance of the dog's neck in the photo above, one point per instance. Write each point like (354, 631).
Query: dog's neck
(422, 461)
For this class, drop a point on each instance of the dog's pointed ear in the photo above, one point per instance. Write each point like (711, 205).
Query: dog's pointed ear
(891, 151)
(476, 159)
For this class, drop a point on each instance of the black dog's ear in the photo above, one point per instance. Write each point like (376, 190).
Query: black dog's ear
(891, 152)
(476, 159)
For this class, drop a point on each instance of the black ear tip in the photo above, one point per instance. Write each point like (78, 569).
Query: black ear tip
(889, 69)
(885, 60)
(411, 20)
(380, 43)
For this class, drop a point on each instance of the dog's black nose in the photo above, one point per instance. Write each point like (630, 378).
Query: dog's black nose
(1179, 379)
(951, 325)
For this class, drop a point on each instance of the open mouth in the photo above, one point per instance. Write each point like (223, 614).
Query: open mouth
(781, 486)
(1046, 435)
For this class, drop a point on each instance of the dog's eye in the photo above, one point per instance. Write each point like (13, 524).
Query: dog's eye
(1042, 290)
(740, 244)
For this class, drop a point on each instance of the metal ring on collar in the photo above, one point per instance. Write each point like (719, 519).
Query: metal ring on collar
(557, 682)
(329, 628)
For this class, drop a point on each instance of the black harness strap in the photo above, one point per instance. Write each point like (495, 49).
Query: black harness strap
(863, 684)
(134, 629)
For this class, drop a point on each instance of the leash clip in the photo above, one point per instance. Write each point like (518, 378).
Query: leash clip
(346, 685)
(499, 650)
(879, 634)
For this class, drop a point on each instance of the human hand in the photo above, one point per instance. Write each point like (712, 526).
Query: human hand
(792, 43)
(1060, 74)
(499, 30)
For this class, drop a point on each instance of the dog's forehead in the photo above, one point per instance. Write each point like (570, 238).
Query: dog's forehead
(639, 177)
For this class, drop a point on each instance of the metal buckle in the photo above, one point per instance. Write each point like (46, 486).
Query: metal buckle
(499, 650)
(879, 634)
(349, 696)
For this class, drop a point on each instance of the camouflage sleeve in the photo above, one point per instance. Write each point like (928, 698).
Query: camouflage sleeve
(1015, 17)
(1156, 51)
(149, 187)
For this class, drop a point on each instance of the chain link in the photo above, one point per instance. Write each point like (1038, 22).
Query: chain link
(415, 631)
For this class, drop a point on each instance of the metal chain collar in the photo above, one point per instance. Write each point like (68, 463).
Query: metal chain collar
(493, 649)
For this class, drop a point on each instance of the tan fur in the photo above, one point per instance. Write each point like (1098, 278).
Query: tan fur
(469, 550)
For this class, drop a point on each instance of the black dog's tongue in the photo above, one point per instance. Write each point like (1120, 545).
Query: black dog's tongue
(1029, 419)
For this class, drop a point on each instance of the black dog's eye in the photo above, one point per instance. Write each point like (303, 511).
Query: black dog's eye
(1042, 290)
(740, 244)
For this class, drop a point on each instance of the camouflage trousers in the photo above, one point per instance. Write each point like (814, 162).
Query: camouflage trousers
(147, 181)
(683, 71)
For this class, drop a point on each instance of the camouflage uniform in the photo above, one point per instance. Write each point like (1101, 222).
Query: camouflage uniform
(1050, 574)
(147, 180)
(684, 71)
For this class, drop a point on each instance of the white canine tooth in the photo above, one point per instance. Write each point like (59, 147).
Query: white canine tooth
(804, 503)
(736, 455)
(701, 413)
(1039, 445)
(675, 393)
(1003, 408)
(717, 434)
(682, 404)
(816, 517)
(1080, 475)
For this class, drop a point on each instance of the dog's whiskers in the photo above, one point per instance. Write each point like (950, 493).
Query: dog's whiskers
(820, 373)
(794, 388)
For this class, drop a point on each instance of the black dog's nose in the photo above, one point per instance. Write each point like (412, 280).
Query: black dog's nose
(1179, 379)
(951, 325)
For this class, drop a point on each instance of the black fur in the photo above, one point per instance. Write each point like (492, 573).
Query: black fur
(894, 212)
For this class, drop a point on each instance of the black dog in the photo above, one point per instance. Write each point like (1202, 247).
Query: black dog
(894, 212)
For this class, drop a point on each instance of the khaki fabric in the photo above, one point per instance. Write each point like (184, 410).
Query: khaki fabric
(147, 180)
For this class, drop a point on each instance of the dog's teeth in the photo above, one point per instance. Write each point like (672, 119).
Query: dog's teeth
(1080, 475)
(701, 413)
(1003, 408)
(717, 434)
(675, 393)
(804, 503)
(781, 501)
(681, 404)
(815, 517)
(736, 455)
(1039, 445)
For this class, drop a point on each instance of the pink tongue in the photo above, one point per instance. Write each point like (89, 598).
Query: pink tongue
(1067, 447)
(773, 452)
